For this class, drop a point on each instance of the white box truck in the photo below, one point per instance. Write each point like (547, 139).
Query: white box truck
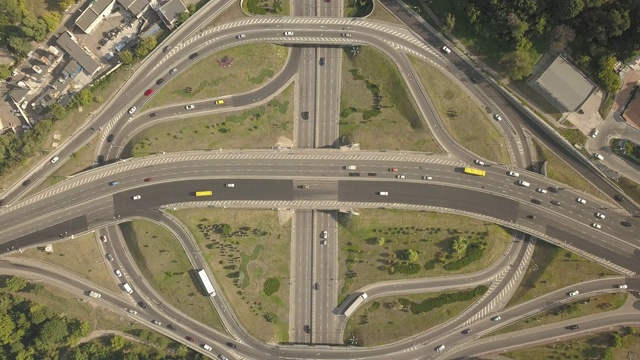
(127, 288)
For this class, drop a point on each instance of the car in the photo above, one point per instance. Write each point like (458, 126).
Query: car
(156, 322)
(513, 173)
(306, 329)
(479, 162)
(173, 71)
(541, 190)
(555, 202)
(439, 348)
(393, 169)
(427, 177)
(345, 35)
(132, 110)
(142, 304)
(496, 318)
(523, 183)
(110, 137)
(596, 225)
(100, 159)
(384, 193)
(103, 42)
(148, 179)
(623, 286)
(619, 198)
(497, 117)
(172, 327)
(574, 293)
(114, 183)
(581, 200)
(446, 50)
(536, 201)
(625, 223)
(219, 102)
(324, 235)
(109, 257)
(55, 159)
(166, 48)
(354, 174)
(136, 197)
(532, 217)
(132, 311)
(189, 107)
(598, 156)
(399, 176)
(288, 33)
(159, 81)
(189, 338)
(305, 115)
(594, 133)
(154, 114)
(372, 174)
(103, 238)
(26, 182)
(148, 92)
(322, 61)
(241, 36)
(193, 56)
(574, 327)
(466, 331)
(230, 185)
(231, 345)
(207, 347)
(600, 215)
(554, 189)
(222, 357)
(118, 273)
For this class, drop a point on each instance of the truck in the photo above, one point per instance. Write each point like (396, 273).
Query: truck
(354, 305)
(350, 167)
(127, 288)
(94, 294)
(208, 287)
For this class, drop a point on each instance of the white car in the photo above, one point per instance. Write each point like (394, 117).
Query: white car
(189, 107)
(581, 200)
(206, 347)
(118, 273)
(103, 238)
(496, 318)
(230, 185)
(324, 235)
(427, 178)
(622, 286)
(384, 193)
(574, 293)
(156, 322)
(132, 311)
(132, 110)
(55, 159)
(241, 36)
(600, 215)
(514, 174)
(523, 183)
(399, 176)
(596, 225)
(497, 117)
(173, 71)
(137, 197)
(288, 33)
(594, 133)
(222, 357)
(541, 190)
(439, 348)
(446, 50)
(479, 162)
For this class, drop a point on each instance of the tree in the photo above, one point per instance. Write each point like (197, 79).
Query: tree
(56, 112)
(20, 46)
(15, 284)
(449, 23)
(52, 20)
(34, 28)
(225, 229)
(184, 16)
(117, 342)
(459, 245)
(5, 71)
(145, 46)
(98, 99)
(380, 241)
(609, 79)
(126, 57)
(409, 255)
(517, 64)
(52, 332)
(7, 326)
(568, 9)
(563, 35)
(84, 97)
(64, 4)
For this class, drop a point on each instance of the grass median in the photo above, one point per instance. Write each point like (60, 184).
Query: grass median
(230, 71)
(163, 263)
(248, 252)
(376, 107)
(261, 127)
(378, 245)
(466, 122)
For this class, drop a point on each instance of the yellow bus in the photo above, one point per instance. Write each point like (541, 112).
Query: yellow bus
(204, 193)
(473, 171)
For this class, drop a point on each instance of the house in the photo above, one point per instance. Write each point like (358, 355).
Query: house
(170, 12)
(71, 69)
(136, 7)
(68, 44)
(93, 14)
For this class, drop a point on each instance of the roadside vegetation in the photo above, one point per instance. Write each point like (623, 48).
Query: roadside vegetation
(582, 307)
(553, 268)
(261, 127)
(559, 171)
(163, 263)
(376, 108)
(248, 252)
(267, 7)
(81, 256)
(465, 121)
(381, 13)
(358, 8)
(381, 245)
(630, 188)
(393, 318)
(623, 343)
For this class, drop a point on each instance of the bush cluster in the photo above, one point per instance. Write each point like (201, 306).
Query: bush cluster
(474, 252)
(441, 300)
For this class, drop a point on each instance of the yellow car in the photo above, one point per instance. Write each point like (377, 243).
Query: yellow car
(219, 102)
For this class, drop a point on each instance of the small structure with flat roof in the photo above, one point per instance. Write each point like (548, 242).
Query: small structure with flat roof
(67, 42)
(93, 14)
(170, 12)
(136, 7)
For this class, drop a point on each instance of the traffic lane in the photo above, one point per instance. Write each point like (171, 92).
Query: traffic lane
(48, 234)
(431, 195)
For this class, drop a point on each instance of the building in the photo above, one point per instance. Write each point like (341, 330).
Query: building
(563, 85)
(67, 43)
(93, 14)
(136, 7)
(170, 12)
(71, 69)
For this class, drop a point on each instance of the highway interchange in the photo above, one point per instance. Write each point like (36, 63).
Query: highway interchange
(273, 179)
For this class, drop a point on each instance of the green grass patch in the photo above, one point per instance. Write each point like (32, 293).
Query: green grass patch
(553, 268)
(374, 244)
(161, 259)
(381, 13)
(257, 128)
(376, 108)
(358, 8)
(267, 7)
(271, 286)
(540, 101)
(241, 269)
(465, 121)
(606, 105)
(390, 319)
(251, 66)
(630, 188)
(582, 307)
(559, 171)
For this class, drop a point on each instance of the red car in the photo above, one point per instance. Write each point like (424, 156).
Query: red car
(190, 338)
(147, 179)
(393, 169)
(148, 92)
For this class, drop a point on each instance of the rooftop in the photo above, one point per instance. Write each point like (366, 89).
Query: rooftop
(68, 44)
(91, 13)
(566, 84)
(171, 10)
(134, 6)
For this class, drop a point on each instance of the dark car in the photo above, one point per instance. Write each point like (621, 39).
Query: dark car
(26, 182)
(555, 202)
(100, 159)
(159, 81)
(307, 329)
(466, 331)
(231, 345)
(172, 327)
(305, 115)
(110, 137)
(536, 201)
(142, 304)
(193, 56)
(372, 174)
(154, 114)
(625, 223)
(166, 48)
(190, 338)
(532, 217)
(354, 174)
(619, 198)
(553, 189)
(322, 61)
(573, 327)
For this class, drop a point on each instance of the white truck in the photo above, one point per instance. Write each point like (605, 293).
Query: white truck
(127, 288)
(94, 294)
